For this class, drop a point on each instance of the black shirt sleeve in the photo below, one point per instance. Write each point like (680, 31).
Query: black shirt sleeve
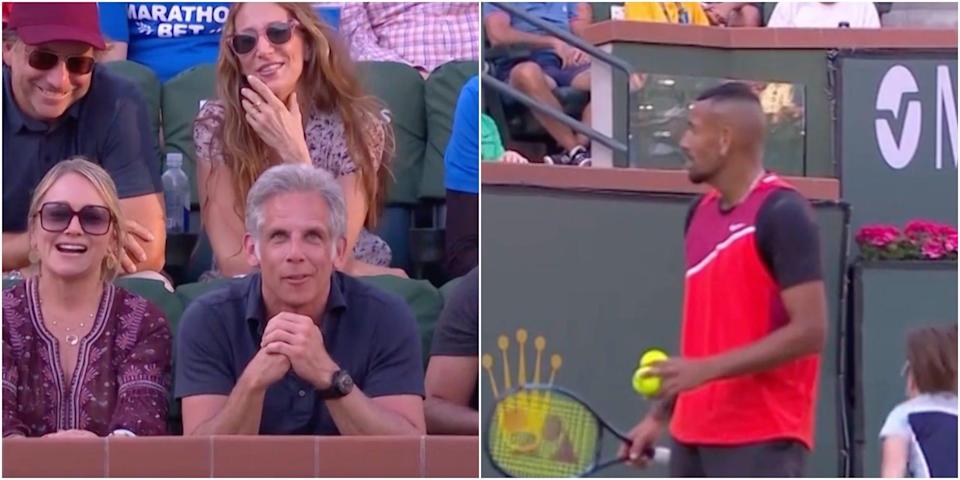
(457, 333)
(789, 239)
(690, 209)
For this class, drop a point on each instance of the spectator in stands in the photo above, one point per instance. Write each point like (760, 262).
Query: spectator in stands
(824, 15)
(351, 350)
(72, 322)
(167, 37)
(491, 147)
(552, 63)
(462, 179)
(422, 35)
(682, 13)
(57, 103)
(920, 435)
(734, 14)
(287, 94)
(451, 380)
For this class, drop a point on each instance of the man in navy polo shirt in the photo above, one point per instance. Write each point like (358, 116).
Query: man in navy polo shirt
(298, 347)
(57, 104)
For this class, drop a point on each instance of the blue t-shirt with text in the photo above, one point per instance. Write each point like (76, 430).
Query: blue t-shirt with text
(167, 37)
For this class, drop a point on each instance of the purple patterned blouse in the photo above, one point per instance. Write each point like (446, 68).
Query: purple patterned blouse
(122, 373)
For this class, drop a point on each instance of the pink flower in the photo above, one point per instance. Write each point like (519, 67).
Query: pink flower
(950, 242)
(878, 235)
(920, 229)
(933, 250)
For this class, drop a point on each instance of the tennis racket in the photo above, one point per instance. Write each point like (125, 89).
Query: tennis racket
(546, 431)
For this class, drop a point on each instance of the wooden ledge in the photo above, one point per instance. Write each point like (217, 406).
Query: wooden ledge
(627, 180)
(768, 38)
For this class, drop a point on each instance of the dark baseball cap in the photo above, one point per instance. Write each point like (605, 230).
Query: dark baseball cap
(37, 23)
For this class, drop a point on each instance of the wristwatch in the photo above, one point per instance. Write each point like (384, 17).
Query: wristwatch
(340, 386)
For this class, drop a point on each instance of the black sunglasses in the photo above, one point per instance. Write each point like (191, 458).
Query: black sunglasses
(56, 217)
(77, 65)
(277, 32)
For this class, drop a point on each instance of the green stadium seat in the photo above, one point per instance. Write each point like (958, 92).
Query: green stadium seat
(442, 91)
(182, 95)
(401, 90)
(423, 299)
(149, 86)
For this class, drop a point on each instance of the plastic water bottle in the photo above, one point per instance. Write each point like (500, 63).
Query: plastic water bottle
(176, 194)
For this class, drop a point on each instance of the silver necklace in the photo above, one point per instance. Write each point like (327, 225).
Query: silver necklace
(72, 339)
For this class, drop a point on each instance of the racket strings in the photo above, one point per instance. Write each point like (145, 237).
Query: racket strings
(537, 433)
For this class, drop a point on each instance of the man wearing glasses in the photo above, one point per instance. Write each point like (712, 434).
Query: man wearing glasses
(57, 103)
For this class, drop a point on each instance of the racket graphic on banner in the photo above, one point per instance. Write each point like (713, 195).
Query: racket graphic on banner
(546, 431)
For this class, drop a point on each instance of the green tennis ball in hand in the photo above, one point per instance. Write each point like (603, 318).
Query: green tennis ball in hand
(651, 356)
(646, 386)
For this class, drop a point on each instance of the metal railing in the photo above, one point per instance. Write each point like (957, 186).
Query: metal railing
(530, 102)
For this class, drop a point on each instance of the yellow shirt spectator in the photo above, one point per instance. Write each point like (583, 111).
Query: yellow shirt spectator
(690, 13)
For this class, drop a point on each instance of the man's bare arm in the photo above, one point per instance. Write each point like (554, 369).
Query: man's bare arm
(147, 210)
(236, 414)
(450, 383)
(358, 414)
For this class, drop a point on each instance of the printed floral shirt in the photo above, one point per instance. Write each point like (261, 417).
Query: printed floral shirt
(120, 381)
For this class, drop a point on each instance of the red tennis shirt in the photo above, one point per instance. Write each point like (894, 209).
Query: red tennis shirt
(738, 261)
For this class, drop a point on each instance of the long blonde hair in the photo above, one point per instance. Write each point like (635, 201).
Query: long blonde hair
(103, 184)
(328, 83)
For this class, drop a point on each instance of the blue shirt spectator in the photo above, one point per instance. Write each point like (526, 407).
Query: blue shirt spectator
(370, 333)
(557, 14)
(167, 37)
(460, 160)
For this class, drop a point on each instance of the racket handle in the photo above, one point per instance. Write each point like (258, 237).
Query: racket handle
(659, 455)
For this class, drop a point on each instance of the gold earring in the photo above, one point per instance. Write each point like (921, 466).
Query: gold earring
(33, 257)
(111, 262)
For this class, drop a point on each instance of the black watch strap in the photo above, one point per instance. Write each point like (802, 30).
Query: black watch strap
(341, 384)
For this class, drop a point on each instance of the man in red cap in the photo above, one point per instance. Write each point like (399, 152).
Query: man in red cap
(57, 103)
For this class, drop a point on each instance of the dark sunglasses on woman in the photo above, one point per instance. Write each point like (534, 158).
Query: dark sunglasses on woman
(277, 32)
(55, 217)
(44, 60)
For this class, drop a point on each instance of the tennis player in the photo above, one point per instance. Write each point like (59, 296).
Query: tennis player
(740, 399)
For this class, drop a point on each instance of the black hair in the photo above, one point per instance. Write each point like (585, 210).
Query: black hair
(730, 91)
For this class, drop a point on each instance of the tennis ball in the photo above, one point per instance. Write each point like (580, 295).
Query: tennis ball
(646, 386)
(651, 356)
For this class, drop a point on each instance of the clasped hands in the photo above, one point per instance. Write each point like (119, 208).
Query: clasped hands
(293, 341)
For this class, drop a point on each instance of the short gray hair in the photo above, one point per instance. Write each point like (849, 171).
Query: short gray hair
(290, 178)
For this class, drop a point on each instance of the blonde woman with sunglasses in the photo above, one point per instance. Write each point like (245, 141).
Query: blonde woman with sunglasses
(81, 357)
